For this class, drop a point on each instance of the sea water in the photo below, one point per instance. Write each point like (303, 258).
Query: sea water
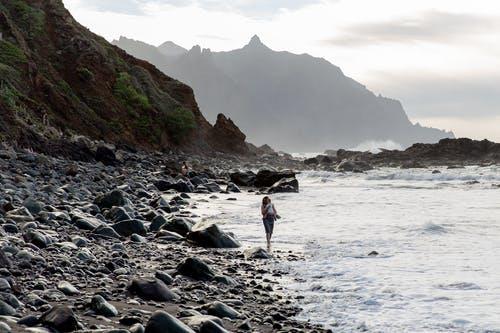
(437, 235)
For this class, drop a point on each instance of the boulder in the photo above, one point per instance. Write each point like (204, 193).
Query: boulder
(162, 322)
(180, 225)
(60, 318)
(243, 178)
(285, 185)
(267, 178)
(6, 309)
(105, 232)
(353, 166)
(256, 253)
(181, 185)
(129, 227)
(211, 236)
(101, 307)
(197, 320)
(157, 222)
(152, 290)
(106, 155)
(196, 268)
(222, 310)
(110, 199)
(210, 326)
(33, 206)
(232, 188)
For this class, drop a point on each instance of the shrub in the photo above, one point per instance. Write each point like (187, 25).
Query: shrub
(128, 94)
(9, 74)
(179, 123)
(9, 96)
(30, 19)
(10, 54)
(85, 74)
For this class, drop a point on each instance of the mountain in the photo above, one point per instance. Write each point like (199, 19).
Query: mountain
(57, 79)
(292, 102)
(170, 49)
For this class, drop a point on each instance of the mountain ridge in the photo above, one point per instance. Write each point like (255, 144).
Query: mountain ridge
(59, 80)
(257, 83)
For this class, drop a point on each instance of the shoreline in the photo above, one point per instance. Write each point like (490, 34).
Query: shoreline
(54, 255)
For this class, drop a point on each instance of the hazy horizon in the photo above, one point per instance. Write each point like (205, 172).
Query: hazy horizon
(437, 59)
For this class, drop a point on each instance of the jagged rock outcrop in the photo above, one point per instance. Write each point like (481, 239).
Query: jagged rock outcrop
(228, 137)
(58, 79)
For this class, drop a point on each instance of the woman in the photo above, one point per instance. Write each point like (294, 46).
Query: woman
(268, 217)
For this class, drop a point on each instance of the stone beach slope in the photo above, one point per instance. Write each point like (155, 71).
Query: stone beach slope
(115, 245)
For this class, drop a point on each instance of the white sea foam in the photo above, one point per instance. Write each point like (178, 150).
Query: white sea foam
(437, 239)
(376, 146)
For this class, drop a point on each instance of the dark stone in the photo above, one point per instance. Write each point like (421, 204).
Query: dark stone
(110, 199)
(285, 185)
(129, 227)
(105, 231)
(154, 290)
(105, 155)
(243, 178)
(61, 318)
(180, 225)
(222, 310)
(162, 322)
(211, 327)
(157, 223)
(101, 307)
(267, 178)
(196, 269)
(211, 236)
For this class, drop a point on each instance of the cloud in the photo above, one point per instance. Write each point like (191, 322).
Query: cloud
(253, 8)
(429, 26)
(428, 95)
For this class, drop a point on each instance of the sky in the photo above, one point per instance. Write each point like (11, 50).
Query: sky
(440, 58)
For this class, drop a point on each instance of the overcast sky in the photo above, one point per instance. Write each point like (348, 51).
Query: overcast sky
(441, 58)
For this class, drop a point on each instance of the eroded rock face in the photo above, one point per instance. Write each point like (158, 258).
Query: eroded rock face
(228, 137)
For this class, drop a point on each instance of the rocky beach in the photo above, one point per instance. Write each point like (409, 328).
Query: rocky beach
(114, 245)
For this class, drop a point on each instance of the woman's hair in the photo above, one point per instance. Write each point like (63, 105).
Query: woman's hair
(266, 200)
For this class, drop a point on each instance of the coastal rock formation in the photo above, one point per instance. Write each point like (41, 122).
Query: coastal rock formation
(295, 102)
(59, 80)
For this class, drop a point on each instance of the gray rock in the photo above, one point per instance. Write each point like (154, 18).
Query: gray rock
(157, 223)
(256, 253)
(61, 318)
(211, 236)
(105, 231)
(162, 322)
(67, 288)
(180, 225)
(33, 206)
(165, 277)
(285, 185)
(154, 290)
(138, 239)
(233, 188)
(196, 269)
(212, 327)
(6, 309)
(197, 320)
(4, 328)
(128, 227)
(101, 307)
(222, 310)
(137, 328)
(110, 199)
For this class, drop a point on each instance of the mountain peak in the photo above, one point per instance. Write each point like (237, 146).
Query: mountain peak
(255, 42)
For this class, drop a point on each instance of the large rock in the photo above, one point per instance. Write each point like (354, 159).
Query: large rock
(353, 166)
(196, 268)
(129, 227)
(228, 137)
(162, 322)
(105, 155)
(110, 199)
(267, 178)
(211, 236)
(182, 186)
(243, 178)
(210, 326)
(180, 225)
(285, 185)
(256, 253)
(60, 318)
(101, 307)
(222, 310)
(6, 309)
(105, 231)
(154, 290)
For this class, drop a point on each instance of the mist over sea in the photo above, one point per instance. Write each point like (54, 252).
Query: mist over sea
(437, 235)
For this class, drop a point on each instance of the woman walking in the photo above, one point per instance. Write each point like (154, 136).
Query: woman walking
(268, 217)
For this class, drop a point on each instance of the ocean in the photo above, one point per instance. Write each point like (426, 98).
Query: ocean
(437, 236)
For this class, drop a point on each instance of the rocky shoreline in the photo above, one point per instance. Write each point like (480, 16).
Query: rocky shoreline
(112, 246)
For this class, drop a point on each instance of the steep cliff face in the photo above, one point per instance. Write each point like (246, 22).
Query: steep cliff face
(57, 78)
(293, 102)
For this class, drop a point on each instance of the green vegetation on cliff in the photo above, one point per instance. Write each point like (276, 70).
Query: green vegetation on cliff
(179, 123)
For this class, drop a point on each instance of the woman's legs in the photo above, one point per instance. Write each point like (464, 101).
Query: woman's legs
(268, 238)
